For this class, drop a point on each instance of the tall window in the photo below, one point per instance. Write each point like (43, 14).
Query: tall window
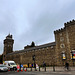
(73, 54)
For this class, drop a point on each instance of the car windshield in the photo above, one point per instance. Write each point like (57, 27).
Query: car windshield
(12, 64)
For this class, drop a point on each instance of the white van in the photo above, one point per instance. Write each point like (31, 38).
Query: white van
(10, 64)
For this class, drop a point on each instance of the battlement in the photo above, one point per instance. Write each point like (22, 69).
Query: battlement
(59, 30)
(66, 25)
(69, 23)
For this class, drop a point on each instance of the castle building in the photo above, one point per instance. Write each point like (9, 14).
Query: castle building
(54, 53)
(8, 46)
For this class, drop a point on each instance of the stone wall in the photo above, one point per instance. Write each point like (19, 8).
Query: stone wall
(45, 54)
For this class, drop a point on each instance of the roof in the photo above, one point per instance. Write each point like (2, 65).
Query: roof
(34, 48)
(8, 61)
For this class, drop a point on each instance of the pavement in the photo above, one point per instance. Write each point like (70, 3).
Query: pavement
(49, 71)
(38, 73)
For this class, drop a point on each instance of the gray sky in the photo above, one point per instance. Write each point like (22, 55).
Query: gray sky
(33, 20)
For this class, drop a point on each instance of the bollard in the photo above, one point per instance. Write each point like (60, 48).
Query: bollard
(35, 69)
(39, 68)
(21, 69)
(26, 68)
(53, 68)
(17, 70)
(31, 68)
(45, 69)
(8, 68)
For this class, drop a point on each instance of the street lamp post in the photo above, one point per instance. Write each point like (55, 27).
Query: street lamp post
(34, 61)
(53, 58)
(53, 62)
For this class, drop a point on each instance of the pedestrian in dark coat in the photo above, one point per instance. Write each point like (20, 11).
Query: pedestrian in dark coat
(67, 65)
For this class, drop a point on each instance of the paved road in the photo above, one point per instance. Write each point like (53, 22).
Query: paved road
(38, 73)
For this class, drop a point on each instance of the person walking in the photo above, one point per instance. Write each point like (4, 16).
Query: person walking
(43, 64)
(67, 65)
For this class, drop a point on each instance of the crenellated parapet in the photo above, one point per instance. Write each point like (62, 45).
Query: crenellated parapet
(65, 25)
(59, 30)
(69, 23)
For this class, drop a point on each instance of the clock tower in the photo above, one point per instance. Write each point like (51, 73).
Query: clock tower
(8, 46)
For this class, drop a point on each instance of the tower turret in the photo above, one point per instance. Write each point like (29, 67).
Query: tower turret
(8, 45)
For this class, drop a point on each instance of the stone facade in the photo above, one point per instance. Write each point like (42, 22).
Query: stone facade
(42, 53)
(65, 42)
(8, 46)
(51, 53)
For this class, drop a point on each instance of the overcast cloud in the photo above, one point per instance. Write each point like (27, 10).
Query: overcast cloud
(33, 20)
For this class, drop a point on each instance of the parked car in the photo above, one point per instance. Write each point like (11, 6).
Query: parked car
(3, 68)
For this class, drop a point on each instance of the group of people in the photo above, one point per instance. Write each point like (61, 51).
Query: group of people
(66, 65)
(44, 65)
